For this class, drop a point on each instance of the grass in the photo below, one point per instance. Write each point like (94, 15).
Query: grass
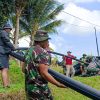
(69, 94)
(16, 92)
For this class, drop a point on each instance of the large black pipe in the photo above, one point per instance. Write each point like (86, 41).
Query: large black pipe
(68, 57)
(17, 56)
(75, 85)
(25, 48)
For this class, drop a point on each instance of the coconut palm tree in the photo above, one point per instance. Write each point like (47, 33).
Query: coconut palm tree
(19, 6)
(41, 14)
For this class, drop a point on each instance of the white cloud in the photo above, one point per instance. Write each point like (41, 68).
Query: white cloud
(62, 44)
(24, 42)
(52, 46)
(70, 21)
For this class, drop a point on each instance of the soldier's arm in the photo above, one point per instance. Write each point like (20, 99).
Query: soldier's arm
(43, 69)
(6, 40)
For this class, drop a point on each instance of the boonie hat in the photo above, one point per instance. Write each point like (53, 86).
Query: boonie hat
(7, 26)
(84, 55)
(41, 35)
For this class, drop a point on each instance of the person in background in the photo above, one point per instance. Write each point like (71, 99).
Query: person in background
(5, 47)
(36, 69)
(69, 64)
(83, 65)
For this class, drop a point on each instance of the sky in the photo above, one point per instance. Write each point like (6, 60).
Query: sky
(75, 35)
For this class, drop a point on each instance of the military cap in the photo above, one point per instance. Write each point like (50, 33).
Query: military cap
(41, 36)
(7, 26)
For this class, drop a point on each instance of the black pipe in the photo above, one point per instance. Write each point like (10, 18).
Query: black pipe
(17, 56)
(22, 48)
(25, 48)
(75, 85)
(67, 57)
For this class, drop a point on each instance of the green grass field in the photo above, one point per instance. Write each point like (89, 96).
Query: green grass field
(16, 91)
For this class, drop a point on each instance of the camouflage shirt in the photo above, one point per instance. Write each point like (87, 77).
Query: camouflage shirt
(84, 60)
(93, 68)
(35, 85)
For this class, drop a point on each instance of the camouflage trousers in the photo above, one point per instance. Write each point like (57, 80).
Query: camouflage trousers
(39, 95)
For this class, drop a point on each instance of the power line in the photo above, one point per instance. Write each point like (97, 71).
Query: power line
(78, 25)
(87, 28)
(80, 19)
(89, 23)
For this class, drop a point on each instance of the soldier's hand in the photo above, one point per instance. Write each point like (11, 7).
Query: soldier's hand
(61, 85)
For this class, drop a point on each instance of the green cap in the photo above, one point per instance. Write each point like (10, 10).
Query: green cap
(84, 54)
(41, 36)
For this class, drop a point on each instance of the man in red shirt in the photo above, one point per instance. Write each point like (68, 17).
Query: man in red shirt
(69, 65)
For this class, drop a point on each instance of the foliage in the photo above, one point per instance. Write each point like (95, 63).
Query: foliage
(41, 14)
(6, 7)
(16, 91)
(31, 15)
(69, 94)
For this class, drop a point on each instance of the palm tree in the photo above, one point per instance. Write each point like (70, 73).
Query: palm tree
(21, 32)
(41, 14)
(19, 6)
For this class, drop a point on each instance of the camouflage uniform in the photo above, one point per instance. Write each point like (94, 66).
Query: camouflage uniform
(35, 85)
(84, 60)
(83, 64)
(93, 67)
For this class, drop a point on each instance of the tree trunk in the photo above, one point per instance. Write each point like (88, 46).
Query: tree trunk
(17, 29)
(35, 28)
(31, 40)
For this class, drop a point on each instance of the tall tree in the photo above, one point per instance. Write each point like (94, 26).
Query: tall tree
(19, 6)
(41, 14)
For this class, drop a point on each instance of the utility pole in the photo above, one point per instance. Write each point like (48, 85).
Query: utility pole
(96, 41)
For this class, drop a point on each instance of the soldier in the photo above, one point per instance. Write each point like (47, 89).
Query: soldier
(36, 69)
(93, 67)
(82, 65)
(5, 47)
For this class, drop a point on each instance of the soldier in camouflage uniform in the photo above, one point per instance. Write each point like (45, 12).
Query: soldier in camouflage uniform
(36, 69)
(93, 68)
(83, 65)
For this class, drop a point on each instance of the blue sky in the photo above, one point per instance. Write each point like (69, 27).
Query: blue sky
(78, 39)
(90, 5)
(76, 35)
